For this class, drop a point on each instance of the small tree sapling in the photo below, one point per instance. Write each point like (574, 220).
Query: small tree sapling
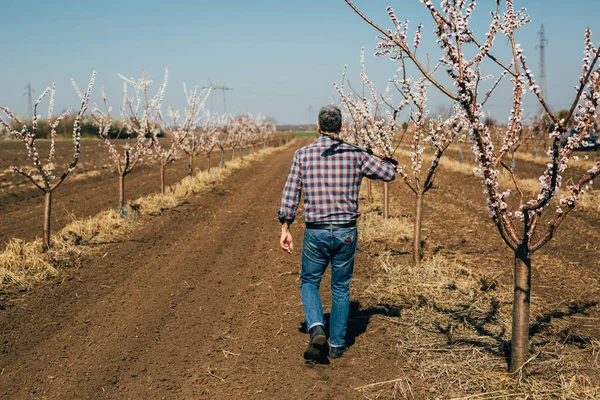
(43, 174)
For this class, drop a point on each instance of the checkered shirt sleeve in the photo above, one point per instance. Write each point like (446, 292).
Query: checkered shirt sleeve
(291, 193)
(372, 168)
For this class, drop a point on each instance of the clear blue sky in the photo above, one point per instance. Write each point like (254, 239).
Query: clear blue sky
(278, 56)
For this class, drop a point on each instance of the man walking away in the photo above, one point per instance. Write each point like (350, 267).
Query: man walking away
(330, 174)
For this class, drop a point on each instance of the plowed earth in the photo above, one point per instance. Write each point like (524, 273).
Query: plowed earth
(201, 302)
(89, 189)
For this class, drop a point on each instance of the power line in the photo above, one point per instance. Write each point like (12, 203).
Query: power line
(223, 88)
(29, 93)
(542, 47)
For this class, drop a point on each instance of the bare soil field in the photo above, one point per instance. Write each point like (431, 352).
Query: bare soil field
(202, 303)
(90, 188)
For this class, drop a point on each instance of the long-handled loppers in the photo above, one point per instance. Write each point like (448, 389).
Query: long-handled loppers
(360, 148)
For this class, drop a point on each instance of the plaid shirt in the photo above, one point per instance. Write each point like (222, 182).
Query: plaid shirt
(330, 173)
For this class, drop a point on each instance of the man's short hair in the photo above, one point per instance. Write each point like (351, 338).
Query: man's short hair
(330, 119)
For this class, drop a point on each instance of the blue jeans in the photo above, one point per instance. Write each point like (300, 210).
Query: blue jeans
(322, 246)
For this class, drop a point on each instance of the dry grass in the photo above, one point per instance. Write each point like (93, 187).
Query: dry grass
(439, 282)
(542, 159)
(451, 329)
(540, 156)
(590, 201)
(23, 264)
(446, 163)
(5, 172)
(102, 228)
(454, 328)
(375, 228)
(527, 185)
(155, 204)
(86, 174)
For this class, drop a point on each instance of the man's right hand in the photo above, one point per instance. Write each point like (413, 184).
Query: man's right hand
(286, 238)
(391, 160)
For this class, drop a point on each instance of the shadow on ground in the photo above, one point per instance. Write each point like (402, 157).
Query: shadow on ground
(358, 321)
(484, 324)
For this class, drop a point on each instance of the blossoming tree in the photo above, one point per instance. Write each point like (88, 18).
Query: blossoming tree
(135, 130)
(223, 136)
(267, 129)
(463, 55)
(371, 126)
(437, 134)
(43, 174)
(175, 132)
(234, 134)
(209, 137)
(247, 129)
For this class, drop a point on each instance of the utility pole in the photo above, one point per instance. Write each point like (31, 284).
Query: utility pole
(223, 88)
(29, 93)
(542, 47)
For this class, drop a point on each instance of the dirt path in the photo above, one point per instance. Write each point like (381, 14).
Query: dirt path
(201, 303)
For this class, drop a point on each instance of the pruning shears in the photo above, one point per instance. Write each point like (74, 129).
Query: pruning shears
(391, 160)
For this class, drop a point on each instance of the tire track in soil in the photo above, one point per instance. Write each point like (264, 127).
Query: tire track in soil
(200, 303)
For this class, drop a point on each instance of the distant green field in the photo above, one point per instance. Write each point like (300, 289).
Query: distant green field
(306, 134)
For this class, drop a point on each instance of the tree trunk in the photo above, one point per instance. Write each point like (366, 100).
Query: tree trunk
(369, 189)
(521, 304)
(386, 200)
(191, 165)
(233, 154)
(121, 191)
(417, 235)
(208, 158)
(222, 158)
(162, 179)
(242, 153)
(47, 209)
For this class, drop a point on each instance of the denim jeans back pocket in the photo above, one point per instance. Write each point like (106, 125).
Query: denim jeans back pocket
(347, 241)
